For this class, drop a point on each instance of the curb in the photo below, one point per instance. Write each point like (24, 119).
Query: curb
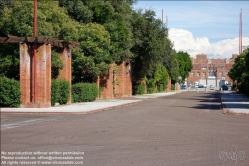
(72, 112)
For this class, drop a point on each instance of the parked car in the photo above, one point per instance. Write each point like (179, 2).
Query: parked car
(200, 86)
(211, 87)
(204, 86)
(224, 87)
(184, 87)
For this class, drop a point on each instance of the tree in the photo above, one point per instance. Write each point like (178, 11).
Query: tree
(114, 15)
(185, 64)
(93, 57)
(240, 72)
(17, 20)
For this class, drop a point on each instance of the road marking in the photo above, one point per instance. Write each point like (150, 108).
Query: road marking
(19, 124)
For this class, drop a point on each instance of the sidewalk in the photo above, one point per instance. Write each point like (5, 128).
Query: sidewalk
(231, 102)
(234, 103)
(88, 106)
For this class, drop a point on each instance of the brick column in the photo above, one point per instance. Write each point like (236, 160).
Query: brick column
(66, 72)
(119, 82)
(43, 81)
(168, 86)
(25, 74)
(48, 75)
(106, 84)
(43, 75)
(128, 80)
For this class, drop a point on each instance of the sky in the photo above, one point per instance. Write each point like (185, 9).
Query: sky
(203, 27)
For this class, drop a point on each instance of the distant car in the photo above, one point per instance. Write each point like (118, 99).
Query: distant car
(224, 87)
(211, 87)
(200, 86)
(204, 86)
(184, 87)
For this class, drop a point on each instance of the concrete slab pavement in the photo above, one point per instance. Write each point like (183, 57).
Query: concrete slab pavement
(234, 103)
(86, 107)
(231, 102)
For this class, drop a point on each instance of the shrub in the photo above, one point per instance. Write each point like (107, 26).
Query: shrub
(60, 91)
(172, 86)
(139, 89)
(161, 88)
(244, 88)
(84, 92)
(10, 93)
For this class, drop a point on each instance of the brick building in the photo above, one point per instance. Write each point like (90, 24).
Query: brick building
(210, 71)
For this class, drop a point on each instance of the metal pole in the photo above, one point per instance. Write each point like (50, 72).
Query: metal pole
(162, 18)
(241, 32)
(35, 61)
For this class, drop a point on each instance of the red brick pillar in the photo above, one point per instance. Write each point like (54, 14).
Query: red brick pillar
(106, 84)
(66, 72)
(168, 86)
(25, 75)
(98, 85)
(43, 75)
(48, 73)
(119, 80)
(128, 80)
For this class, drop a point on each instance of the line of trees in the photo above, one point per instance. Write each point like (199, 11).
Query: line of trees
(109, 31)
(239, 72)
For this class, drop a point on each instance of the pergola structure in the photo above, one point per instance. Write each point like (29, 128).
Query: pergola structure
(35, 67)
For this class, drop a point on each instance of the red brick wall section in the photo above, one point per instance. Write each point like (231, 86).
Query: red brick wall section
(117, 84)
(66, 72)
(48, 75)
(25, 74)
(43, 76)
(119, 80)
(168, 86)
(128, 80)
(43, 82)
(106, 84)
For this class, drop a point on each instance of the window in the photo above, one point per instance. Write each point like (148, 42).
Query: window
(220, 67)
(204, 74)
(192, 74)
(204, 68)
(220, 74)
(198, 74)
(226, 74)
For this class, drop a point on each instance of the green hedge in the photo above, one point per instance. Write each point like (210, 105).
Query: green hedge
(172, 86)
(243, 88)
(139, 89)
(60, 91)
(10, 94)
(161, 88)
(84, 92)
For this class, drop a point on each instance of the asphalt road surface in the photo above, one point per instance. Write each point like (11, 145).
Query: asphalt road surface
(185, 129)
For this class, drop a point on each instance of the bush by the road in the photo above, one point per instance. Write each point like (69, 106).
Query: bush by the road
(10, 93)
(84, 92)
(60, 91)
(139, 89)
(244, 88)
(172, 86)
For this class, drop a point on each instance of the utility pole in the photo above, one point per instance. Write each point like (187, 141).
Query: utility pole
(162, 18)
(240, 33)
(35, 50)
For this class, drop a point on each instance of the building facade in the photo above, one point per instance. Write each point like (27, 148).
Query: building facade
(210, 71)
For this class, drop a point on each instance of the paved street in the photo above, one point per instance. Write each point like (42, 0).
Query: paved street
(186, 128)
